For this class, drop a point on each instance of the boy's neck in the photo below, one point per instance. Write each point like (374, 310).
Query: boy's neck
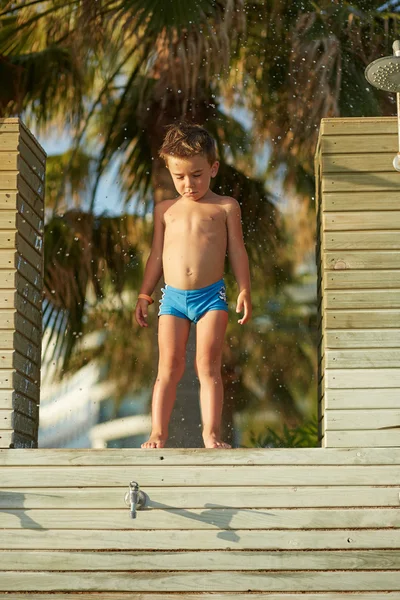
(209, 195)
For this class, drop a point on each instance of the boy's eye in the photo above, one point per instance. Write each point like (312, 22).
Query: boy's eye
(197, 176)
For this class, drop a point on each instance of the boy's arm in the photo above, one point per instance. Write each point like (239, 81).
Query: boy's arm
(154, 268)
(236, 249)
(239, 260)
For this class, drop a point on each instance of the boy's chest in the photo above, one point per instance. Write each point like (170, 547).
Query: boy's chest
(200, 219)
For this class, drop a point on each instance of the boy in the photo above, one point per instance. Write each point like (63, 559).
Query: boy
(191, 236)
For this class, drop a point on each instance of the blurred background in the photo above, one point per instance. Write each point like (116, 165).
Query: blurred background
(97, 81)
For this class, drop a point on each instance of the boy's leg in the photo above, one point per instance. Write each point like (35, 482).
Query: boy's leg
(210, 333)
(173, 333)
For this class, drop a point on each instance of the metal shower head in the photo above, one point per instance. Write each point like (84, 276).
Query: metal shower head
(384, 74)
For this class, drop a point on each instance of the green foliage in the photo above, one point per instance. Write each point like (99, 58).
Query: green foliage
(302, 436)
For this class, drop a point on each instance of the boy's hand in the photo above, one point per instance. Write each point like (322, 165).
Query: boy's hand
(244, 302)
(141, 312)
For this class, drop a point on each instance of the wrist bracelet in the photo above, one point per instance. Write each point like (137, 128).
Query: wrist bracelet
(146, 297)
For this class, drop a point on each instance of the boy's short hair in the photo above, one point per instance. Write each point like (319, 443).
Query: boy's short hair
(184, 140)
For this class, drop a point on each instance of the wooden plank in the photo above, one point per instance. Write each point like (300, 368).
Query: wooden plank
(9, 180)
(45, 477)
(362, 359)
(31, 235)
(27, 348)
(23, 385)
(362, 378)
(28, 329)
(9, 141)
(203, 596)
(25, 166)
(199, 519)
(7, 298)
(29, 273)
(197, 456)
(8, 239)
(33, 142)
(8, 159)
(7, 319)
(362, 259)
(353, 438)
(204, 497)
(29, 292)
(211, 561)
(5, 419)
(362, 319)
(192, 582)
(32, 256)
(7, 259)
(31, 208)
(378, 143)
(20, 440)
(80, 539)
(24, 425)
(356, 162)
(362, 419)
(362, 338)
(357, 220)
(13, 340)
(26, 367)
(8, 124)
(6, 438)
(28, 310)
(362, 240)
(347, 126)
(26, 174)
(29, 203)
(363, 299)
(343, 279)
(361, 201)
(362, 398)
(7, 278)
(361, 182)
(12, 400)
(31, 153)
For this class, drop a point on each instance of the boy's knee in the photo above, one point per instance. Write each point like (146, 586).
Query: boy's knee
(172, 368)
(208, 368)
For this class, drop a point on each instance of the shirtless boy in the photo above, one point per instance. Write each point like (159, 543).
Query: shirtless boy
(191, 236)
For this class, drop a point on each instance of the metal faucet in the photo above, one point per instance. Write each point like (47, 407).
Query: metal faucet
(135, 498)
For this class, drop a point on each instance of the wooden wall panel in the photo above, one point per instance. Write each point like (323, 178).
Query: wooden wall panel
(22, 175)
(358, 258)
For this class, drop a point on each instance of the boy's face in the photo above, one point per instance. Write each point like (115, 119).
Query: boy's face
(192, 175)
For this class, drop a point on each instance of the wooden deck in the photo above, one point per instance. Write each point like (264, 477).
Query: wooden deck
(231, 525)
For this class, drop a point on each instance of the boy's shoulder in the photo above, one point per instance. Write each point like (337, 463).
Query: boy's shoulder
(161, 206)
(228, 203)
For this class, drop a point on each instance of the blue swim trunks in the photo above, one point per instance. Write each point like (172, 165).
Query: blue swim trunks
(193, 304)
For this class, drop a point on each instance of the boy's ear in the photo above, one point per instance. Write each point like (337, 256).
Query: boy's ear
(214, 169)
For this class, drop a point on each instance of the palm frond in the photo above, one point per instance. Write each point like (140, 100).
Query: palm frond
(68, 176)
(83, 252)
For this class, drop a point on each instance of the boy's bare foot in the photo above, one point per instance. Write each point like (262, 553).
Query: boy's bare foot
(212, 441)
(155, 441)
